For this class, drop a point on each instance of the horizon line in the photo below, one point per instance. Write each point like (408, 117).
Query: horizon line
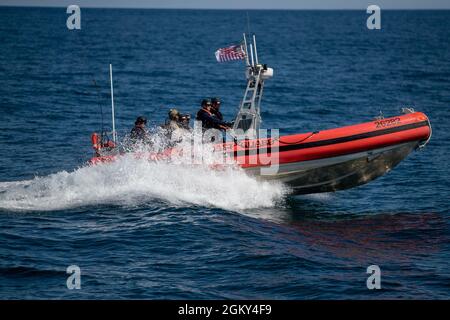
(222, 9)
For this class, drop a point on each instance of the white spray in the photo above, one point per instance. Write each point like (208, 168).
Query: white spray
(133, 181)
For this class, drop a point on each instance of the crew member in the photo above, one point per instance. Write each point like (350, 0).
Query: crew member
(139, 133)
(215, 108)
(174, 120)
(209, 119)
(178, 126)
(184, 120)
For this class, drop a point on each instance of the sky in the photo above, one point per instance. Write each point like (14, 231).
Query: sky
(238, 4)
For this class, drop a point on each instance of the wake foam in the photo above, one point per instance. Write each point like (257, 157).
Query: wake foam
(130, 181)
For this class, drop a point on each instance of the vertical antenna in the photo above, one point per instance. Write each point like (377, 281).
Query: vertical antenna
(246, 50)
(112, 104)
(256, 53)
(251, 54)
(248, 24)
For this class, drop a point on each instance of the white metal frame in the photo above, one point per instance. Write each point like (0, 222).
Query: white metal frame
(248, 119)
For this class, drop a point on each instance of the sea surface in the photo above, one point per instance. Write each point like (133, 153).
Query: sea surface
(140, 230)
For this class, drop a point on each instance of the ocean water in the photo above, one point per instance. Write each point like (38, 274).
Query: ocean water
(159, 231)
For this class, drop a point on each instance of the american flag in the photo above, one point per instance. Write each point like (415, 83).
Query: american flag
(234, 52)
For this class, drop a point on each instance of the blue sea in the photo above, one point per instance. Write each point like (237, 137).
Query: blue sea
(141, 230)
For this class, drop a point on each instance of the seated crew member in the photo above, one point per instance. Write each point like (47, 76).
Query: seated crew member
(174, 120)
(139, 133)
(178, 126)
(184, 120)
(209, 119)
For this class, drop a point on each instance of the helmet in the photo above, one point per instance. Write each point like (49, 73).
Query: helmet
(174, 114)
(215, 103)
(140, 120)
(206, 102)
(215, 100)
(184, 120)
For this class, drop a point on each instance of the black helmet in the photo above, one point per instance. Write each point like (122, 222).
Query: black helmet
(215, 100)
(140, 120)
(215, 103)
(206, 101)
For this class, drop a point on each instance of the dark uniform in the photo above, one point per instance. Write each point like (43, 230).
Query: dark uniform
(209, 119)
(215, 104)
(138, 133)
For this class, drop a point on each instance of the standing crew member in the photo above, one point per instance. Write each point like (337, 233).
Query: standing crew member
(215, 108)
(209, 119)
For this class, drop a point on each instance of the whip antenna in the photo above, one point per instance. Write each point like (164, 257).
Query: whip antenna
(112, 104)
(248, 23)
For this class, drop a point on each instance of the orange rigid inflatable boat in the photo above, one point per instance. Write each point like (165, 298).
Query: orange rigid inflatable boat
(324, 161)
